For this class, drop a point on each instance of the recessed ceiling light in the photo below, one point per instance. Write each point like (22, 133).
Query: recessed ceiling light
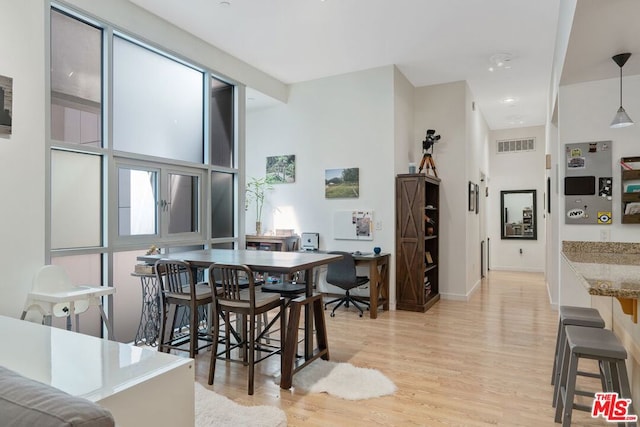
(225, 4)
(509, 100)
(500, 61)
(515, 120)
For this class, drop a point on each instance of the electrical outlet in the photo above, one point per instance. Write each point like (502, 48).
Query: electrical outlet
(605, 235)
(378, 225)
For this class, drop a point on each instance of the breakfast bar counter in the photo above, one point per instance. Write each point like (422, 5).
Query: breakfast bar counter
(607, 269)
(606, 276)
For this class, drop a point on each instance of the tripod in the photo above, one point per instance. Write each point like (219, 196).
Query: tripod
(429, 162)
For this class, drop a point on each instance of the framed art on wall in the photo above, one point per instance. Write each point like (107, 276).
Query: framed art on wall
(6, 102)
(342, 183)
(472, 196)
(281, 169)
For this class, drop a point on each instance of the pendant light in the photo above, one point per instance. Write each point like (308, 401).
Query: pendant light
(621, 118)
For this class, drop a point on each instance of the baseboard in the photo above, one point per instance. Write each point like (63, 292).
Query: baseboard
(519, 269)
(462, 297)
(454, 297)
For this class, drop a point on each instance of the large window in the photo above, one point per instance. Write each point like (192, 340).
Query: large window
(76, 195)
(158, 201)
(222, 130)
(157, 104)
(76, 80)
(142, 152)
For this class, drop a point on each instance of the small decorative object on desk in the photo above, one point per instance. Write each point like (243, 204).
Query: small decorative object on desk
(153, 250)
(377, 250)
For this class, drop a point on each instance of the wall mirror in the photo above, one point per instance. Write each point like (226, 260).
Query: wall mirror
(518, 214)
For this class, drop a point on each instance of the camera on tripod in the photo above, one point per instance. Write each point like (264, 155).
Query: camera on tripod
(427, 159)
(430, 139)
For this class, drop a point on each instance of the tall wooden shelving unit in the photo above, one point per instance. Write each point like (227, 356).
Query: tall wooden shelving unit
(417, 249)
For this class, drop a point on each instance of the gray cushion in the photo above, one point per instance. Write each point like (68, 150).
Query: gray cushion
(29, 403)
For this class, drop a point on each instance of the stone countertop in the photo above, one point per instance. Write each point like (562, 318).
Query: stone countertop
(606, 268)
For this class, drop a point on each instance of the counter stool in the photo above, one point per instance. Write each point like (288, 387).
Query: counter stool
(595, 344)
(576, 316)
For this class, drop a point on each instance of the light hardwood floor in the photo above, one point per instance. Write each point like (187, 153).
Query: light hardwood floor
(485, 362)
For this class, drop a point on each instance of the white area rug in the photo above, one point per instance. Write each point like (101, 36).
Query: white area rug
(213, 409)
(343, 380)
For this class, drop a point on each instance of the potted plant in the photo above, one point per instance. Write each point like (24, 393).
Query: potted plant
(256, 192)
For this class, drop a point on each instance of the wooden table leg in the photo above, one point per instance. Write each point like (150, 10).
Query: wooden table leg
(378, 284)
(308, 316)
(384, 282)
(374, 289)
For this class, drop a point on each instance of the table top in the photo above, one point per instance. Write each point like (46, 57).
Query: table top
(78, 364)
(357, 255)
(607, 274)
(76, 293)
(283, 262)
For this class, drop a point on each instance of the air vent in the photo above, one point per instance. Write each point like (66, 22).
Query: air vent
(516, 145)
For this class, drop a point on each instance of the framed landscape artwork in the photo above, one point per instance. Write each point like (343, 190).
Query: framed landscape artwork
(281, 169)
(342, 183)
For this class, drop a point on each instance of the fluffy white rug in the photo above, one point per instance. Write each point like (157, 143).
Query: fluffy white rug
(343, 380)
(213, 409)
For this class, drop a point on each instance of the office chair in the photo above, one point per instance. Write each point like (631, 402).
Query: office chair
(342, 274)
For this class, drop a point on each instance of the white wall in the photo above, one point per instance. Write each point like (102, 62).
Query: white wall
(336, 122)
(552, 228)
(442, 107)
(22, 167)
(405, 139)
(517, 171)
(477, 165)
(585, 111)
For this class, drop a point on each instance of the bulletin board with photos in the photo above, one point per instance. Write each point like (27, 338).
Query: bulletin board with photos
(588, 183)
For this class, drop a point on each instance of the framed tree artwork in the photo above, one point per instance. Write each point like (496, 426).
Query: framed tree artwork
(281, 169)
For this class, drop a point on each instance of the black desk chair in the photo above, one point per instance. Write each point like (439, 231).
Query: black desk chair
(342, 274)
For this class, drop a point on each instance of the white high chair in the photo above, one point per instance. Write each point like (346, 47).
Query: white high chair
(53, 294)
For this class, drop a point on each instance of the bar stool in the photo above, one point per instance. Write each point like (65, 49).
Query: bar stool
(576, 316)
(595, 344)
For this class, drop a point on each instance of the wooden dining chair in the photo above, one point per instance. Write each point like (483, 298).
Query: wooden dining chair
(247, 303)
(178, 288)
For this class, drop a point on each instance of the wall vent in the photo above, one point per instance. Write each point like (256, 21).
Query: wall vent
(516, 145)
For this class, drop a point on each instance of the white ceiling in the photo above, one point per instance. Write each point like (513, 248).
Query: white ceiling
(431, 42)
(600, 30)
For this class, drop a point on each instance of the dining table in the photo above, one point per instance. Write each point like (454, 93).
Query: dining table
(287, 263)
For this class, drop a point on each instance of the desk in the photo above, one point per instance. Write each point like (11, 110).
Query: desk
(378, 280)
(267, 261)
(141, 387)
(44, 302)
